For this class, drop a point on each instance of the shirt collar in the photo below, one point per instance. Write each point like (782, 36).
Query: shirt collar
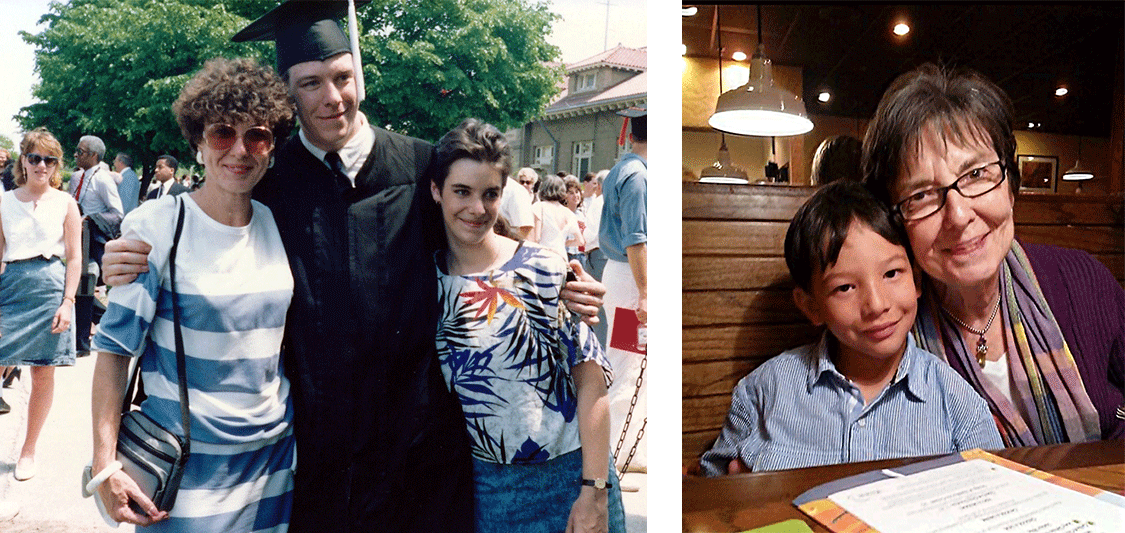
(355, 151)
(911, 358)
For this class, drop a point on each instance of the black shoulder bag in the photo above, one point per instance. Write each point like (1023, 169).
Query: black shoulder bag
(151, 455)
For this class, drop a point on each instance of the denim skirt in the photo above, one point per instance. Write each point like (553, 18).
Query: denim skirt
(30, 292)
(535, 498)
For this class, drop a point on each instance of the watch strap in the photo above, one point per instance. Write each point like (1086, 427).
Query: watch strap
(598, 483)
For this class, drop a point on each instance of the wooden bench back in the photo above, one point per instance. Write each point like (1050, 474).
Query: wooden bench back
(737, 304)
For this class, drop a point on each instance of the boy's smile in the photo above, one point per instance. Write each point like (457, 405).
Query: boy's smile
(868, 298)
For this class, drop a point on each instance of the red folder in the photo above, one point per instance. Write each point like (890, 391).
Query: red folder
(624, 334)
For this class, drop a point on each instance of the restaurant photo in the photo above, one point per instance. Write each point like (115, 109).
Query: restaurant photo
(903, 267)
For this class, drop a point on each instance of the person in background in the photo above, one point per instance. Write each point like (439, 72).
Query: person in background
(6, 178)
(515, 207)
(595, 257)
(530, 377)
(575, 251)
(164, 177)
(865, 391)
(1038, 330)
(623, 235)
(838, 157)
(41, 246)
(529, 178)
(95, 190)
(129, 189)
(235, 285)
(556, 227)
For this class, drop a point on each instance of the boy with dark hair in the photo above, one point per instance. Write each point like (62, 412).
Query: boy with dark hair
(865, 391)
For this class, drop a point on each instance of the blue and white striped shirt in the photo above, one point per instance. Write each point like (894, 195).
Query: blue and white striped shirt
(796, 410)
(235, 286)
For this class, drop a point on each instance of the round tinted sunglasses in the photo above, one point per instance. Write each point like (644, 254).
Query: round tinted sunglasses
(35, 159)
(257, 140)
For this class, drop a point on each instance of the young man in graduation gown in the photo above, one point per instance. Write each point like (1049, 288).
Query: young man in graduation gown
(380, 439)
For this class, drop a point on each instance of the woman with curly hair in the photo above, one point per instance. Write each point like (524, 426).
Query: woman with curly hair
(39, 227)
(234, 286)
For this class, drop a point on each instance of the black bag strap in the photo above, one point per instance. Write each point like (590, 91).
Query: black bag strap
(181, 358)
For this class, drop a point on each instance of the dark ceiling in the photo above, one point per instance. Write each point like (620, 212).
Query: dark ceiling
(1028, 50)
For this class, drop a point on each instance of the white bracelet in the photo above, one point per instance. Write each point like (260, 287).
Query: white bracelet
(102, 476)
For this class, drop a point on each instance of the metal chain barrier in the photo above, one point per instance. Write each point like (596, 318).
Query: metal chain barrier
(629, 419)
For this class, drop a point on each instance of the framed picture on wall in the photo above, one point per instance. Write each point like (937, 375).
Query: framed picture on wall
(1038, 173)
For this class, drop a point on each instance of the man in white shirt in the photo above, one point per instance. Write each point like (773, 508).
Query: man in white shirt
(93, 187)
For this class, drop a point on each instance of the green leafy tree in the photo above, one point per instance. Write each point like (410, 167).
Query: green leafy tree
(112, 68)
(6, 143)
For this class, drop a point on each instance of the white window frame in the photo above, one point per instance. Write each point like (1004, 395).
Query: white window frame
(583, 152)
(544, 155)
(586, 81)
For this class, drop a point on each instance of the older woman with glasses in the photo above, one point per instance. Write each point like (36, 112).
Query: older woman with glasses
(40, 227)
(1039, 331)
(234, 287)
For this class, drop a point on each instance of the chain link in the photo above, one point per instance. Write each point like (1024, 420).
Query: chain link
(629, 419)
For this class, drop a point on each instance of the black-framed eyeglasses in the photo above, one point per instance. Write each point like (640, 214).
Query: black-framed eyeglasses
(35, 159)
(976, 182)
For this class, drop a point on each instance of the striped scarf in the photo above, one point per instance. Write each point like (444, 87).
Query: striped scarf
(1046, 383)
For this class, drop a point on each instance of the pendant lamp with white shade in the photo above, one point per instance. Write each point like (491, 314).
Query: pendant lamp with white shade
(760, 108)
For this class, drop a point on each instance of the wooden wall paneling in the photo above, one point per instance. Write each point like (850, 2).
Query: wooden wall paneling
(706, 272)
(717, 343)
(704, 308)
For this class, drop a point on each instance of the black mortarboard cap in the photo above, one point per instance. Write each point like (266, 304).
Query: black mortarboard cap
(304, 30)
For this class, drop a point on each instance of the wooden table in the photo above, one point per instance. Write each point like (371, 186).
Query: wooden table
(746, 501)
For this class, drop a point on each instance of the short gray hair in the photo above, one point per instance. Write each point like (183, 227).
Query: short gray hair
(94, 144)
(600, 177)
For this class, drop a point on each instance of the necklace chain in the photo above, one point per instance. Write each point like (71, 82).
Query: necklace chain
(982, 344)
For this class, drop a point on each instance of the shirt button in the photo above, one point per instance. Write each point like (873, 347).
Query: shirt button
(863, 423)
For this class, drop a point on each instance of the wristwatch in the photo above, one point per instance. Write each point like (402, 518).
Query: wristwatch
(597, 483)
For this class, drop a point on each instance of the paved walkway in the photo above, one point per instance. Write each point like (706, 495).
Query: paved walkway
(51, 501)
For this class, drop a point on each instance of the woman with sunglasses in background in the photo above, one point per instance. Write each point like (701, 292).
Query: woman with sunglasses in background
(234, 287)
(39, 227)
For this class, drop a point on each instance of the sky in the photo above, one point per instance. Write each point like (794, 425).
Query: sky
(580, 33)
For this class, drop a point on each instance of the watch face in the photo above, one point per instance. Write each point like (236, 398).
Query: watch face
(599, 483)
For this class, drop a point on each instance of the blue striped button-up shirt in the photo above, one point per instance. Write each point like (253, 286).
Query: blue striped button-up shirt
(797, 410)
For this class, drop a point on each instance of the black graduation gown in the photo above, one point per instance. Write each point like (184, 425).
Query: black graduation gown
(381, 442)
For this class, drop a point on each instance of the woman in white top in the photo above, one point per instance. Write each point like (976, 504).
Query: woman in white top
(556, 227)
(40, 226)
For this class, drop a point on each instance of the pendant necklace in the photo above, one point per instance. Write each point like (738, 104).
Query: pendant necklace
(982, 345)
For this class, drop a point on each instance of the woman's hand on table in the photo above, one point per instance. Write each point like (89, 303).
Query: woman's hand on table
(590, 512)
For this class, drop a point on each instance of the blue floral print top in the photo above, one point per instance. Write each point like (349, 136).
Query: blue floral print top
(507, 345)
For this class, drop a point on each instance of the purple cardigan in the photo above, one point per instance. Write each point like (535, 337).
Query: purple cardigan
(1089, 305)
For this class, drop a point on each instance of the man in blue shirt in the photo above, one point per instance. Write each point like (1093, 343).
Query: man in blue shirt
(129, 189)
(865, 391)
(623, 236)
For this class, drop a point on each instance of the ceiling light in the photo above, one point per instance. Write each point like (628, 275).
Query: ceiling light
(901, 29)
(1030, 125)
(1078, 172)
(689, 11)
(824, 96)
(739, 56)
(760, 108)
(722, 170)
(1061, 91)
(683, 49)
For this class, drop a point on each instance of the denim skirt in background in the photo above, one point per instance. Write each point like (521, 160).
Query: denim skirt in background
(31, 291)
(535, 498)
